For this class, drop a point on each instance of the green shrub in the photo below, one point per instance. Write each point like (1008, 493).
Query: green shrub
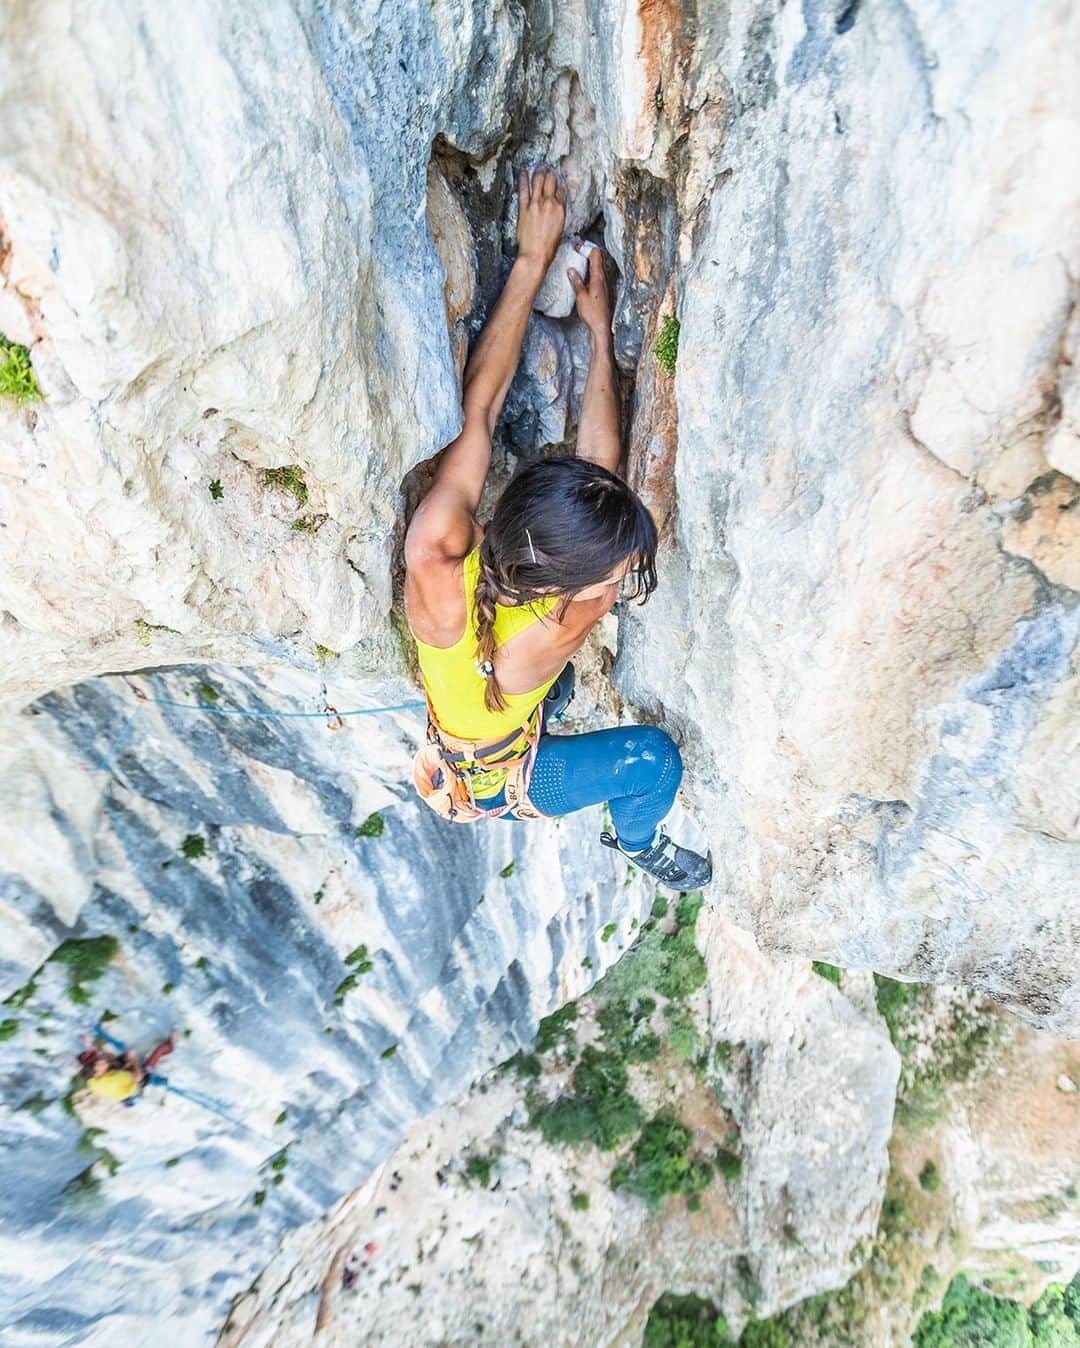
(600, 1078)
(764, 1334)
(684, 1322)
(930, 1178)
(971, 1318)
(1055, 1317)
(289, 478)
(309, 524)
(8, 1029)
(662, 1163)
(193, 847)
(523, 1064)
(626, 1029)
(478, 1170)
(507, 871)
(684, 969)
(729, 1164)
(579, 1202)
(557, 1030)
(666, 346)
(564, 1122)
(601, 1109)
(17, 379)
(85, 961)
(895, 1002)
(372, 827)
(827, 971)
(682, 1033)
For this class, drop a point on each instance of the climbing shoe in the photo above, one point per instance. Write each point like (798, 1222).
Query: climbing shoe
(674, 866)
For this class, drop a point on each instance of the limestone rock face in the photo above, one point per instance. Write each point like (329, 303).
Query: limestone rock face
(247, 252)
(868, 633)
(233, 274)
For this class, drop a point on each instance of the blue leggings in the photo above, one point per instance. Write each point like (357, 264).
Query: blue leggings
(635, 768)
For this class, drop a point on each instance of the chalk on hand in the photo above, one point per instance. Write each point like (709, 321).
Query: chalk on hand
(556, 297)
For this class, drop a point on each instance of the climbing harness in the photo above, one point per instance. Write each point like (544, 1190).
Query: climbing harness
(443, 770)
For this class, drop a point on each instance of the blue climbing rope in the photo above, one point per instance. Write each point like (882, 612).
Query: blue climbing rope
(207, 1102)
(280, 715)
(102, 1033)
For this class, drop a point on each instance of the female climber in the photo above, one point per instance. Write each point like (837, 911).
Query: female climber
(498, 611)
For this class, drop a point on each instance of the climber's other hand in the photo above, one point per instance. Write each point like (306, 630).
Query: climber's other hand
(593, 302)
(541, 215)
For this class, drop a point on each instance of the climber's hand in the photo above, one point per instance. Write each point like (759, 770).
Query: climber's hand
(593, 303)
(541, 215)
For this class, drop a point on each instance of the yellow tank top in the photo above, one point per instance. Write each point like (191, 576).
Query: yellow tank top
(116, 1085)
(456, 686)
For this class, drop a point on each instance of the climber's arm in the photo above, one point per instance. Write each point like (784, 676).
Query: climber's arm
(444, 521)
(598, 421)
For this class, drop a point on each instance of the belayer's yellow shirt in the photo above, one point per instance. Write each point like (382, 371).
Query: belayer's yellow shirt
(118, 1085)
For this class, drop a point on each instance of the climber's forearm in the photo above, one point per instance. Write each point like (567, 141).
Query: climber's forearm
(598, 423)
(498, 348)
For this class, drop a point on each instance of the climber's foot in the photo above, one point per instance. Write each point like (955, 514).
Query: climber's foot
(676, 867)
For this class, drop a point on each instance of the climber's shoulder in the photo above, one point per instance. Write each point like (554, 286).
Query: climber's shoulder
(434, 585)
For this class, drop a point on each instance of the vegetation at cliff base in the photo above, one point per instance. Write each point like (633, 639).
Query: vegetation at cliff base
(940, 1045)
(17, 379)
(659, 1156)
(478, 1169)
(372, 827)
(971, 1318)
(662, 1163)
(685, 1322)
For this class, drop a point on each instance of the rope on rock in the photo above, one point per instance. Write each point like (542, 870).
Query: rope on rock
(277, 715)
(200, 1098)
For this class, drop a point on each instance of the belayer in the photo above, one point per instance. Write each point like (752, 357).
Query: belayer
(498, 611)
(118, 1074)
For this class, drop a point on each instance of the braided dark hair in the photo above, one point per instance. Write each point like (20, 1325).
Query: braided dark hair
(561, 525)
